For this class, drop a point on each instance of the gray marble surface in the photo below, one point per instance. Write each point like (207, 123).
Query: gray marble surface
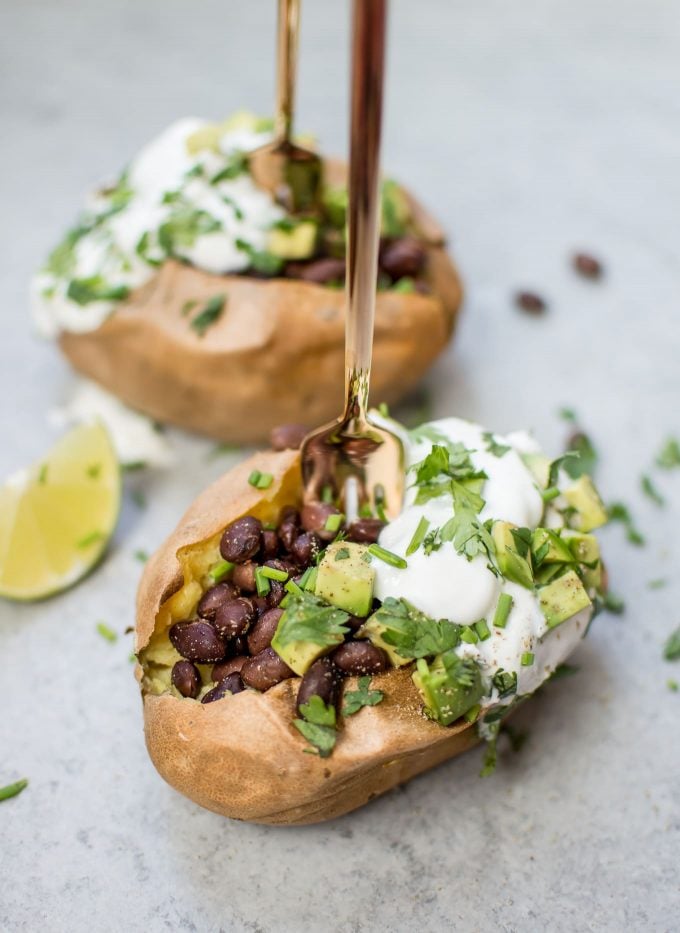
(533, 129)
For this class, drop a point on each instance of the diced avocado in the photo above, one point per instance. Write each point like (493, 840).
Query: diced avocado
(450, 686)
(547, 572)
(406, 633)
(586, 551)
(558, 550)
(539, 466)
(396, 212)
(335, 206)
(584, 498)
(562, 599)
(300, 655)
(373, 629)
(298, 242)
(308, 629)
(345, 577)
(511, 563)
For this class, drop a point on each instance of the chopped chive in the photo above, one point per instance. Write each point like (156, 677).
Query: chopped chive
(327, 494)
(310, 582)
(261, 582)
(42, 475)
(284, 602)
(469, 635)
(12, 790)
(384, 409)
(133, 466)
(527, 659)
(260, 480)
(141, 556)
(273, 573)
(418, 536)
(333, 522)
(394, 560)
(482, 630)
(473, 713)
(502, 610)
(220, 571)
(305, 576)
(106, 632)
(651, 491)
(92, 538)
(366, 511)
(552, 492)
(293, 588)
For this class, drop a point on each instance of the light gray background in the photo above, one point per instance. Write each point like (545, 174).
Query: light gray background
(533, 128)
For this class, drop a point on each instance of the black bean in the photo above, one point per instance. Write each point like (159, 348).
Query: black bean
(365, 530)
(319, 271)
(261, 605)
(213, 598)
(403, 257)
(243, 575)
(261, 634)
(354, 623)
(197, 641)
(265, 670)
(323, 680)
(223, 668)
(314, 516)
(587, 265)
(289, 527)
(229, 685)
(275, 594)
(305, 548)
(241, 540)
(186, 679)
(360, 657)
(288, 436)
(270, 544)
(235, 618)
(530, 302)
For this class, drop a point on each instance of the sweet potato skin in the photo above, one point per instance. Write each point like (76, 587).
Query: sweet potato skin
(276, 355)
(241, 756)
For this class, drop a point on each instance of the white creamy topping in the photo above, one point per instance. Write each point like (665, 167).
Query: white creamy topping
(444, 584)
(117, 248)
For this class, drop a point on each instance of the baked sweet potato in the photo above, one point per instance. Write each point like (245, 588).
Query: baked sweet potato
(275, 355)
(241, 756)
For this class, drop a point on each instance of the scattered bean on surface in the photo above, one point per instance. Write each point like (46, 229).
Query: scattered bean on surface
(587, 266)
(270, 544)
(530, 302)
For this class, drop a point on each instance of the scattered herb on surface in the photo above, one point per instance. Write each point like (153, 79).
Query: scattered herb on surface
(651, 491)
(567, 414)
(89, 539)
(209, 315)
(673, 685)
(95, 288)
(613, 603)
(668, 457)
(516, 738)
(619, 512)
(564, 670)
(138, 498)
(581, 444)
(260, 480)
(141, 555)
(13, 790)
(188, 307)
(388, 557)
(671, 651)
(106, 632)
(503, 608)
(657, 584)
(418, 536)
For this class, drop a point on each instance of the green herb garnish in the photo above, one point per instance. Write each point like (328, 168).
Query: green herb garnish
(141, 556)
(273, 573)
(13, 790)
(342, 553)
(209, 315)
(564, 670)
(411, 632)
(671, 651)
(527, 659)
(668, 457)
(260, 260)
(42, 474)
(95, 288)
(502, 612)
(505, 682)
(469, 635)
(318, 726)
(492, 445)
(221, 570)
(482, 630)
(106, 632)
(673, 685)
(334, 521)
(262, 583)
(90, 539)
(619, 512)
(94, 470)
(657, 584)
(651, 491)
(612, 603)
(260, 480)
(362, 696)
(394, 560)
(308, 618)
(418, 536)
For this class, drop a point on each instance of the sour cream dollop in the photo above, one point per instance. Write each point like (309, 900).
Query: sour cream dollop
(446, 585)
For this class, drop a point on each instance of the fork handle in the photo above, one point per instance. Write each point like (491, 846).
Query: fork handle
(288, 28)
(368, 61)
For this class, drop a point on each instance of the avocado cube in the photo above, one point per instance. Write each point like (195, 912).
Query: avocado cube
(562, 599)
(589, 509)
(298, 242)
(335, 206)
(539, 466)
(300, 655)
(345, 577)
(449, 686)
(373, 629)
(546, 573)
(511, 563)
(558, 550)
(586, 551)
(308, 629)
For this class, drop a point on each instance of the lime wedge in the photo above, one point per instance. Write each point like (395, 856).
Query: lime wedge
(57, 516)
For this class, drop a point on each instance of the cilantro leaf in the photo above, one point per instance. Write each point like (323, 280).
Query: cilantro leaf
(469, 535)
(308, 618)
(260, 260)
(183, 227)
(412, 633)
(95, 288)
(321, 738)
(671, 651)
(587, 457)
(318, 712)
(668, 457)
(357, 699)
(209, 315)
(492, 445)
(651, 491)
(558, 464)
(619, 512)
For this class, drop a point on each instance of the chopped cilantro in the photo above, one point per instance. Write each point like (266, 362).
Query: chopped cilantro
(618, 512)
(657, 584)
(260, 260)
(505, 682)
(141, 556)
(581, 444)
(209, 315)
(668, 457)
(651, 491)
(318, 726)
(671, 651)
(183, 227)
(362, 696)
(237, 165)
(492, 445)
(567, 414)
(564, 670)
(342, 553)
(673, 685)
(614, 604)
(413, 634)
(106, 632)
(95, 288)
(308, 618)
